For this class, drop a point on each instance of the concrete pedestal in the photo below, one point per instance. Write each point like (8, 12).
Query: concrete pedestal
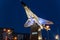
(35, 32)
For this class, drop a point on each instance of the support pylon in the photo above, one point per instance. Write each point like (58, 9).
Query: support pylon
(35, 32)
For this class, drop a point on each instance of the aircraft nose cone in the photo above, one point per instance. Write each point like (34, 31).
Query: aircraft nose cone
(23, 3)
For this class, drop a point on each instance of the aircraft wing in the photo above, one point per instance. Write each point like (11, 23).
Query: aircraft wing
(29, 23)
(43, 21)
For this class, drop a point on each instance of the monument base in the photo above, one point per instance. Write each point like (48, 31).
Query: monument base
(35, 32)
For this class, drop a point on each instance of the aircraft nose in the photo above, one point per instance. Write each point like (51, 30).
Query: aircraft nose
(23, 3)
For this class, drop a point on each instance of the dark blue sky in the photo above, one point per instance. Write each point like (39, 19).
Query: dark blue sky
(12, 14)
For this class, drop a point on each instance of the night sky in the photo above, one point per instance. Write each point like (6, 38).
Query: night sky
(12, 15)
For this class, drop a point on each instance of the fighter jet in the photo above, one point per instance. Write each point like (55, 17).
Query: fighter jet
(32, 18)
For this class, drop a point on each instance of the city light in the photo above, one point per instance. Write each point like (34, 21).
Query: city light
(47, 28)
(15, 38)
(57, 37)
(9, 31)
(39, 38)
(4, 29)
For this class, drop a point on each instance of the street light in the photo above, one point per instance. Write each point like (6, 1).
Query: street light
(39, 38)
(57, 37)
(15, 38)
(9, 31)
(47, 28)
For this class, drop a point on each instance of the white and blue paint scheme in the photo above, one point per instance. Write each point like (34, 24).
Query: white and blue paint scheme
(32, 18)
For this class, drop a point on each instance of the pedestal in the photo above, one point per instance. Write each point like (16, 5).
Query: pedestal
(35, 32)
